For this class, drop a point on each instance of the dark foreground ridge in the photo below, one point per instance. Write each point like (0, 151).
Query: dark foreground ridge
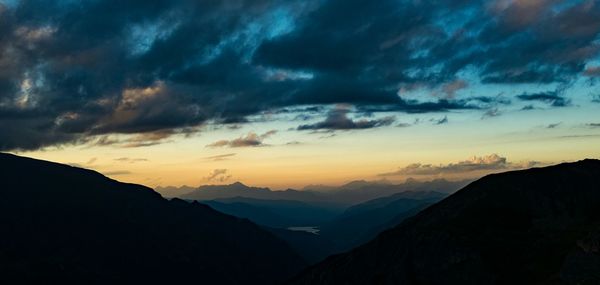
(62, 224)
(536, 226)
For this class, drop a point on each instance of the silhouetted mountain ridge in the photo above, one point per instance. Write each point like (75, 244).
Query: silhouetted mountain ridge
(361, 223)
(528, 227)
(63, 224)
(275, 213)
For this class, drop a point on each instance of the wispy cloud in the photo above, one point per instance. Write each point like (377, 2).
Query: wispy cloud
(117, 173)
(592, 71)
(220, 157)
(218, 175)
(130, 160)
(594, 125)
(483, 163)
(249, 140)
(442, 121)
(494, 112)
(337, 119)
(553, 126)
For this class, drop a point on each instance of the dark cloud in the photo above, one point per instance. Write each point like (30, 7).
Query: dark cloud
(249, 140)
(552, 97)
(76, 71)
(337, 119)
(385, 41)
(485, 163)
(594, 125)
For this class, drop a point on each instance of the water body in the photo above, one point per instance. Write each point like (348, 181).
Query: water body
(313, 230)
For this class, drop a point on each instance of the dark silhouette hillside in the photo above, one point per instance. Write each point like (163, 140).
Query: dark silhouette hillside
(275, 213)
(362, 222)
(62, 224)
(536, 226)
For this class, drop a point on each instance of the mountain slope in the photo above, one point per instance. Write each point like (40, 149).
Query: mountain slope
(524, 227)
(362, 222)
(65, 224)
(174, 192)
(312, 247)
(237, 189)
(275, 213)
(361, 191)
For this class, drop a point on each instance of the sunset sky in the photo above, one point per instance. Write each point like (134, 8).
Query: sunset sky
(290, 93)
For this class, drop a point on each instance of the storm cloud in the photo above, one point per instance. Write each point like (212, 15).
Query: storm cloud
(78, 71)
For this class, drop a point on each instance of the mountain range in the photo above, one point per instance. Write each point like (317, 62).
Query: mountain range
(346, 195)
(536, 226)
(361, 223)
(63, 224)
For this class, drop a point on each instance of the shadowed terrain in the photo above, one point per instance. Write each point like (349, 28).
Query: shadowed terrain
(66, 224)
(361, 223)
(536, 226)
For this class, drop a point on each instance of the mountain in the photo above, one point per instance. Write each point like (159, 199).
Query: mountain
(386, 202)
(275, 213)
(174, 192)
(237, 189)
(256, 214)
(335, 197)
(536, 226)
(362, 222)
(362, 191)
(278, 215)
(312, 247)
(62, 224)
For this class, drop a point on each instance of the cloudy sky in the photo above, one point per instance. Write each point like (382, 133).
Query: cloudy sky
(287, 93)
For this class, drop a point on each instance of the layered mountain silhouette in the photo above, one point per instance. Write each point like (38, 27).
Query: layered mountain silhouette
(175, 192)
(276, 213)
(362, 222)
(537, 226)
(342, 224)
(238, 189)
(62, 224)
(338, 231)
(346, 195)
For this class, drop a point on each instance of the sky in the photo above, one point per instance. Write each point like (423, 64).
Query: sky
(291, 93)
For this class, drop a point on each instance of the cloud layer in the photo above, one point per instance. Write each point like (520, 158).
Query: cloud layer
(71, 71)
